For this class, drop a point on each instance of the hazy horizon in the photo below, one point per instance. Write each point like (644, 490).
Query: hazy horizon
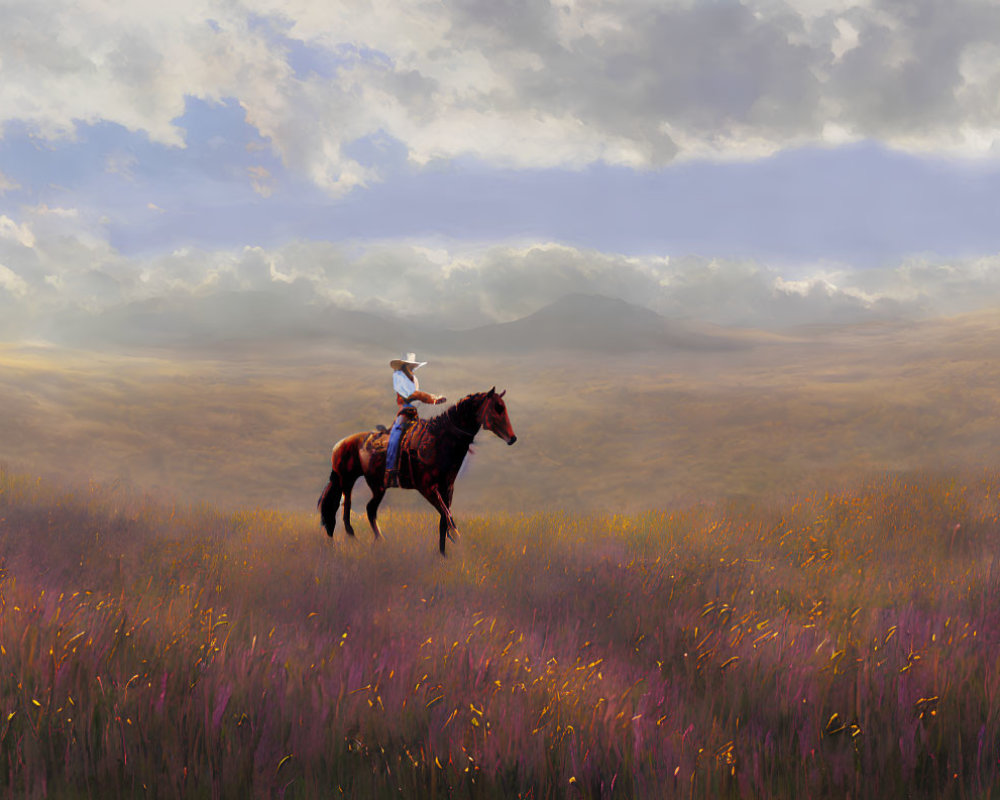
(249, 426)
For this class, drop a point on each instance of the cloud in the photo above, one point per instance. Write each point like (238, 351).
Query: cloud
(44, 210)
(58, 267)
(260, 178)
(7, 184)
(561, 83)
(21, 234)
(123, 164)
(932, 286)
(12, 283)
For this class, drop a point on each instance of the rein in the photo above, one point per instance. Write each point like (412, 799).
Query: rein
(451, 422)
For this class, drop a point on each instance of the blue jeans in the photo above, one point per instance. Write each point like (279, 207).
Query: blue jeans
(395, 435)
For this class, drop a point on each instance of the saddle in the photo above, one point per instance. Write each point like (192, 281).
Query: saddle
(416, 446)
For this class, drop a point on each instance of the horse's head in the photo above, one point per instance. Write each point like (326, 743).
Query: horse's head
(493, 415)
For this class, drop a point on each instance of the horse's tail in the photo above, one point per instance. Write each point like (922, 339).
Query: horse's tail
(329, 503)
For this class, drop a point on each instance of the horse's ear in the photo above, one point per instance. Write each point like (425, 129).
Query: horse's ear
(502, 393)
(492, 392)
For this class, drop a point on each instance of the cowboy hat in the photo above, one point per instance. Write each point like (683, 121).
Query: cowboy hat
(410, 359)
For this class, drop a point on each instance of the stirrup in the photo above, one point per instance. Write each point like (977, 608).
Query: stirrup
(392, 479)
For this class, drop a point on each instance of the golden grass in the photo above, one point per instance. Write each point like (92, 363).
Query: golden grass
(791, 413)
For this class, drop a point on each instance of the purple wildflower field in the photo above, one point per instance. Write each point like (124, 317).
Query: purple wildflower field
(841, 645)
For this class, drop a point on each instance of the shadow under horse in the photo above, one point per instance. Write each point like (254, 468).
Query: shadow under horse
(430, 456)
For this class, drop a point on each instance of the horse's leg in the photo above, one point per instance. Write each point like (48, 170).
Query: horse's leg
(347, 508)
(445, 491)
(329, 502)
(442, 533)
(446, 526)
(378, 492)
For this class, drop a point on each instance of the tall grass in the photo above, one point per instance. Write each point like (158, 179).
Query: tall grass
(822, 646)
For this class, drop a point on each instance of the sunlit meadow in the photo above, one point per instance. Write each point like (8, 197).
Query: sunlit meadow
(841, 645)
(810, 410)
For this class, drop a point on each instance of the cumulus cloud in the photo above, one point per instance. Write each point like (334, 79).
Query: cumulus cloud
(17, 233)
(12, 283)
(559, 83)
(57, 266)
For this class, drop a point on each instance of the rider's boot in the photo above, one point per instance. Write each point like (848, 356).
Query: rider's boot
(392, 479)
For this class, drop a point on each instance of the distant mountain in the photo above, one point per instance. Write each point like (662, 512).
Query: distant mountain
(591, 322)
(258, 320)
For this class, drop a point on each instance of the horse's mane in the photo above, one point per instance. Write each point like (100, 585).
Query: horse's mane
(446, 419)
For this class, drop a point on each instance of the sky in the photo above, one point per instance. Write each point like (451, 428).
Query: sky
(758, 163)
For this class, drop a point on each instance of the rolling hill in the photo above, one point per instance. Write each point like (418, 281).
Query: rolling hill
(233, 321)
(591, 323)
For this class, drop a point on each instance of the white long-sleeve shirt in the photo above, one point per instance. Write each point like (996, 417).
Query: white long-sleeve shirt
(404, 386)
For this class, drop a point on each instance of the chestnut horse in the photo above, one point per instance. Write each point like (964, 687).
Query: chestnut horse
(430, 456)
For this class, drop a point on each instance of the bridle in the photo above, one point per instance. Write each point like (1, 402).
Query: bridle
(462, 431)
(479, 416)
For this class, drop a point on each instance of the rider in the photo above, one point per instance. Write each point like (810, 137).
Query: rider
(407, 390)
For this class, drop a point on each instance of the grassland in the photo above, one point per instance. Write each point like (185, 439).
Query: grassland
(800, 412)
(826, 645)
(764, 572)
